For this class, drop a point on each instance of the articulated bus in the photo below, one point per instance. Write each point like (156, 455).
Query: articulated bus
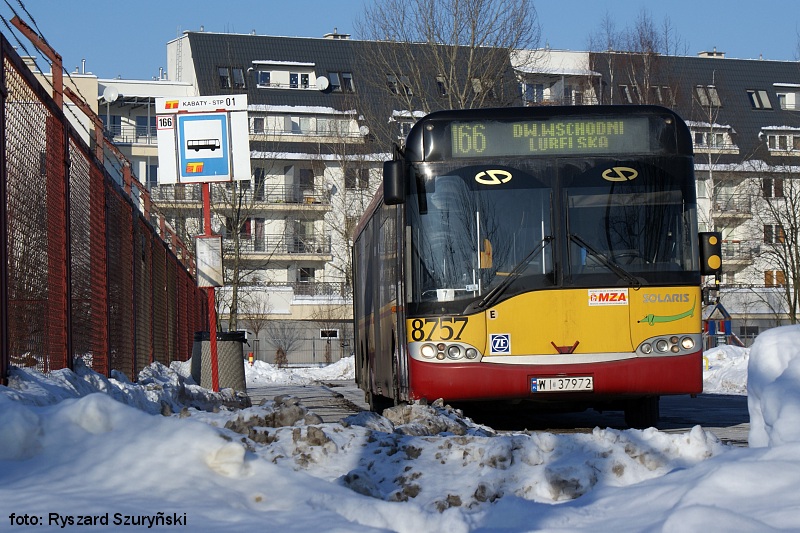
(547, 255)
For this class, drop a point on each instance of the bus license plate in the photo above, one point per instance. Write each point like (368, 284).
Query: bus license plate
(562, 384)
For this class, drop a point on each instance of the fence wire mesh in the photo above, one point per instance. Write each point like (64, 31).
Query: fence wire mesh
(84, 272)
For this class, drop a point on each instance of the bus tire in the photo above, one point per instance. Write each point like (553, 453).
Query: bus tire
(378, 403)
(642, 413)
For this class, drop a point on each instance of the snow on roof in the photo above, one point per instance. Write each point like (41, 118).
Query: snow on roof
(700, 124)
(285, 63)
(780, 128)
(299, 109)
(298, 156)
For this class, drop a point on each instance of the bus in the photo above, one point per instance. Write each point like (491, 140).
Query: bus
(540, 255)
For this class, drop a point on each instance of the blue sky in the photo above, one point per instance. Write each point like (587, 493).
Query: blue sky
(129, 39)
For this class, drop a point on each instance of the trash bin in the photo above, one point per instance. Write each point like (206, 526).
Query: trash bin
(230, 359)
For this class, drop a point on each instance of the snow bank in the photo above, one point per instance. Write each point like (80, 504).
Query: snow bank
(774, 387)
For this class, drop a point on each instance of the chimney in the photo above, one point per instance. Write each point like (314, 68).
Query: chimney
(336, 35)
(713, 53)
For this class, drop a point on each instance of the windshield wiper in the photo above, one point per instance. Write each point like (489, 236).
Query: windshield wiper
(495, 293)
(611, 265)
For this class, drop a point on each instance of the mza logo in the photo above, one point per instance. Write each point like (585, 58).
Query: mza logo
(500, 343)
(608, 297)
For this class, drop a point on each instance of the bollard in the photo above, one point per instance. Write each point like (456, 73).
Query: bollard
(250, 358)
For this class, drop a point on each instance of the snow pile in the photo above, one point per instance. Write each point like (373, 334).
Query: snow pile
(774, 388)
(77, 445)
(262, 373)
(725, 370)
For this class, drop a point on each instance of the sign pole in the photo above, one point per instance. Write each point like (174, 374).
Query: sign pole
(212, 304)
(204, 140)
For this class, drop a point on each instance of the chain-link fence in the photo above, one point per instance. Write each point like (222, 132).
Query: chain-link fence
(86, 270)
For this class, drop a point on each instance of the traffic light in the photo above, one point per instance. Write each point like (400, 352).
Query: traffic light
(710, 253)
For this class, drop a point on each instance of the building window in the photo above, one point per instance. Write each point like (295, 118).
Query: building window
(532, 92)
(347, 83)
(405, 128)
(662, 94)
(707, 139)
(748, 332)
(707, 95)
(294, 80)
(246, 229)
(477, 86)
(305, 275)
(304, 81)
(336, 84)
(264, 77)
(145, 126)
(152, 176)
(774, 278)
(259, 244)
(441, 87)
(112, 124)
(772, 187)
(759, 99)
(773, 234)
(399, 85)
(258, 124)
(356, 178)
(625, 92)
(224, 78)
(238, 78)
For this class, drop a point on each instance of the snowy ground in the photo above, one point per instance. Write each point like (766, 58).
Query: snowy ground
(78, 448)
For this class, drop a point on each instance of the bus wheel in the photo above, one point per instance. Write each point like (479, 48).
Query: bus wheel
(378, 403)
(642, 413)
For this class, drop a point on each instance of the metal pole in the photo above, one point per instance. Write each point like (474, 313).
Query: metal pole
(212, 306)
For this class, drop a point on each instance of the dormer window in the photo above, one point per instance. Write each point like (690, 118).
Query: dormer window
(759, 99)
(782, 140)
(712, 138)
(707, 95)
(231, 77)
(788, 96)
(283, 74)
(224, 78)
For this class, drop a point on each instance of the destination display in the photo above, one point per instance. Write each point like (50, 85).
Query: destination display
(554, 137)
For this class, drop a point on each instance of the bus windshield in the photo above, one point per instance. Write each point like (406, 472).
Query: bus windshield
(477, 234)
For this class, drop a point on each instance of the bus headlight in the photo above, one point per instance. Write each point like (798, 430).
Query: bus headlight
(471, 353)
(454, 351)
(662, 345)
(647, 348)
(428, 351)
(687, 343)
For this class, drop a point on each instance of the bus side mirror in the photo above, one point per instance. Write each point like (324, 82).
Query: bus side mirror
(394, 182)
(710, 253)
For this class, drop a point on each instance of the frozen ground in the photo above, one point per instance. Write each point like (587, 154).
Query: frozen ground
(78, 447)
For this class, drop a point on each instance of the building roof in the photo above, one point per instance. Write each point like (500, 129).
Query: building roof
(735, 81)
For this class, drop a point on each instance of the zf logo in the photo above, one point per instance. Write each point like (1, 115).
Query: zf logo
(620, 174)
(493, 177)
(500, 343)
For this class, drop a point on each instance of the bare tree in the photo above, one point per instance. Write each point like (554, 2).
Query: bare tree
(284, 336)
(446, 53)
(776, 213)
(631, 56)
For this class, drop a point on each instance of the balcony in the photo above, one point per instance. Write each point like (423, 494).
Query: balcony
(129, 134)
(270, 197)
(732, 208)
(278, 247)
(737, 255)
